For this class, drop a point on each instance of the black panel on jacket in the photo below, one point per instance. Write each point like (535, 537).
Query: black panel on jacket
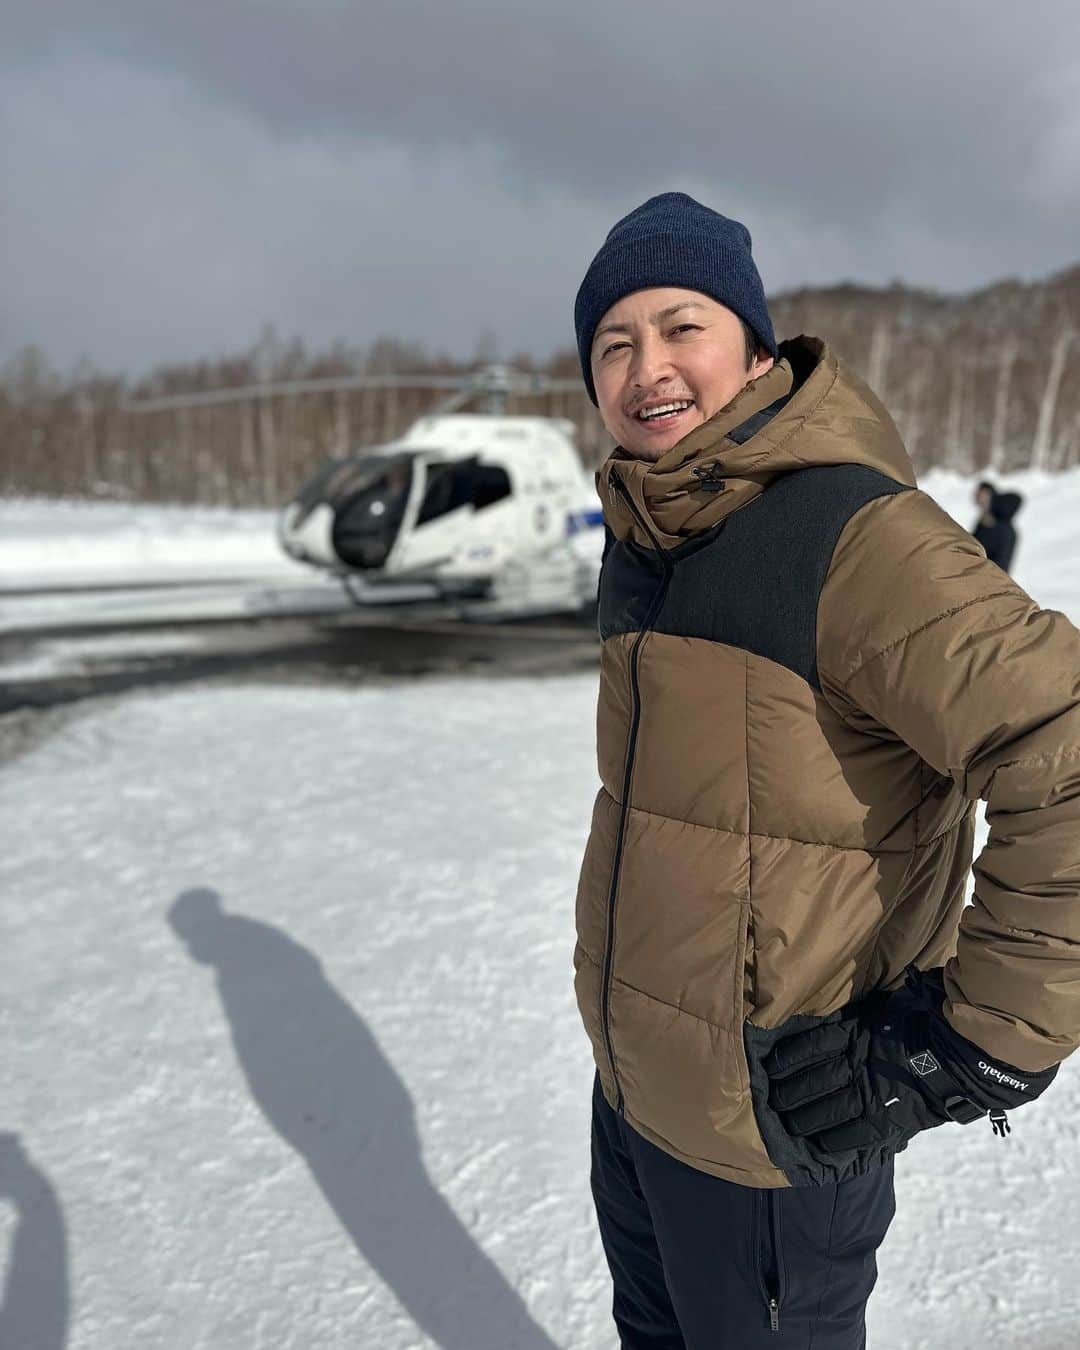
(754, 580)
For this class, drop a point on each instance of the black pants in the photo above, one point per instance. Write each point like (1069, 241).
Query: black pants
(703, 1264)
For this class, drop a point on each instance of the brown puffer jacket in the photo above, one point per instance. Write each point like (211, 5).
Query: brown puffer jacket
(809, 674)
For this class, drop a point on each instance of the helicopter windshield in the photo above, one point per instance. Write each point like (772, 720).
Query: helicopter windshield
(368, 498)
(461, 482)
(369, 505)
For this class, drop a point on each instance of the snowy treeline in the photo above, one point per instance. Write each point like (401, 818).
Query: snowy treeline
(82, 435)
(990, 378)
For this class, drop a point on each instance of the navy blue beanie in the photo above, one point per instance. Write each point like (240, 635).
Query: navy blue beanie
(672, 240)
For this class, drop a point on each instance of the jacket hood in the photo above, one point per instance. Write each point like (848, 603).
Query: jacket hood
(808, 409)
(1005, 505)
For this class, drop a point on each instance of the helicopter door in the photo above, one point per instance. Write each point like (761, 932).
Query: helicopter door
(458, 524)
(461, 482)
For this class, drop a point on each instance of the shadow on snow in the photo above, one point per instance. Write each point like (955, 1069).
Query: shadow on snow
(321, 1080)
(34, 1304)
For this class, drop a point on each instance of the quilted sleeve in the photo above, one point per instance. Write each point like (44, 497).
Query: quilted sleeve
(922, 638)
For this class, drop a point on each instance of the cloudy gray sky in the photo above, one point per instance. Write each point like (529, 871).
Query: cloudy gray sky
(176, 175)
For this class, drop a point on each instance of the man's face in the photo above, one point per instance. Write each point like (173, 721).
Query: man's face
(666, 345)
(983, 498)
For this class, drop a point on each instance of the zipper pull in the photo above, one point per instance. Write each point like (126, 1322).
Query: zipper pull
(710, 477)
(774, 1315)
(1000, 1122)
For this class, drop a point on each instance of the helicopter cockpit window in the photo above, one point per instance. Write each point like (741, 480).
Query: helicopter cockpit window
(463, 482)
(369, 503)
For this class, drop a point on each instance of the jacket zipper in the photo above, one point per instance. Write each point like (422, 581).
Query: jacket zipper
(628, 771)
(772, 1278)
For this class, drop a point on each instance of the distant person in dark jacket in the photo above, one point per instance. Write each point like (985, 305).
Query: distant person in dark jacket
(994, 528)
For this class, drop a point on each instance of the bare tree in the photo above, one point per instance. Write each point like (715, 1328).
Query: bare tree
(881, 342)
(1006, 360)
(1041, 444)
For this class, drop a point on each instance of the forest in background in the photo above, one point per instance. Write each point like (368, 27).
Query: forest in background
(985, 380)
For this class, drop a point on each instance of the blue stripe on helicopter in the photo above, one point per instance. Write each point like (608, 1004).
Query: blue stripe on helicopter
(578, 521)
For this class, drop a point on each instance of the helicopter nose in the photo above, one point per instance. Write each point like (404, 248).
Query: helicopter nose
(306, 533)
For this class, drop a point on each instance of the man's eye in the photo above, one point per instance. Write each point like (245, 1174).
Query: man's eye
(687, 328)
(612, 347)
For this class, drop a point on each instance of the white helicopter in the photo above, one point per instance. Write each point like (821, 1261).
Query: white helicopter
(483, 510)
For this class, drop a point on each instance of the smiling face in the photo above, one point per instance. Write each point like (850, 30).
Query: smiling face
(664, 360)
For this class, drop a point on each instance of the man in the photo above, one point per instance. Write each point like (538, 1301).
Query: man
(810, 673)
(994, 528)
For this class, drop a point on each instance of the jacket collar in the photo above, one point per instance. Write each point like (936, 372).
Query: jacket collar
(806, 409)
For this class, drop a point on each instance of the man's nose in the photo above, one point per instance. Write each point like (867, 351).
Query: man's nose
(651, 364)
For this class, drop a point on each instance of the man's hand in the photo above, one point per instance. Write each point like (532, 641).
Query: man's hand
(891, 1070)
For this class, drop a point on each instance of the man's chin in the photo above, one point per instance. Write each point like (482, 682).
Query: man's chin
(649, 453)
(656, 448)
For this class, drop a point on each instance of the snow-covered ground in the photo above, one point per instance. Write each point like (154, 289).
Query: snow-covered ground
(46, 542)
(79, 542)
(290, 1051)
(1047, 562)
(289, 1031)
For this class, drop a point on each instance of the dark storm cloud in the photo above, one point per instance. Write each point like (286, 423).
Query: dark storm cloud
(833, 107)
(935, 141)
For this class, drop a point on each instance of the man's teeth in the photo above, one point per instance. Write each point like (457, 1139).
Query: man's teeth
(648, 413)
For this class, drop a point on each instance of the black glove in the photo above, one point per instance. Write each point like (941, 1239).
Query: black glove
(893, 1068)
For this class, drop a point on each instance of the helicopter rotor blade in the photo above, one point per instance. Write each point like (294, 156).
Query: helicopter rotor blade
(495, 383)
(280, 388)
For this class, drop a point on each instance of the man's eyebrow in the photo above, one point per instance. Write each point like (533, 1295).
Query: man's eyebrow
(674, 309)
(658, 317)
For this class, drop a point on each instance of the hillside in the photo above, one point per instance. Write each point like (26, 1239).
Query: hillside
(988, 378)
(992, 377)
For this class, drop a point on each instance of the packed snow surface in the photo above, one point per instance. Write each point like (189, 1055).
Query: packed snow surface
(289, 1036)
(72, 542)
(291, 1058)
(82, 542)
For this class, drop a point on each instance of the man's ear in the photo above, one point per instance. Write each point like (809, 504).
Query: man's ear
(762, 362)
